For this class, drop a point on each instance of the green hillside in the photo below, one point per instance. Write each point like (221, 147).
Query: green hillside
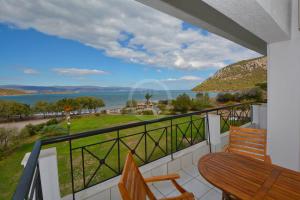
(235, 77)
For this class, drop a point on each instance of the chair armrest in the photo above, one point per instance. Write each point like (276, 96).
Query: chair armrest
(162, 178)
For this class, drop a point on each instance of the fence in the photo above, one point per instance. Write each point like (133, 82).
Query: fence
(89, 158)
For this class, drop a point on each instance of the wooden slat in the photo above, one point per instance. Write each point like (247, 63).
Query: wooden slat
(247, 149)
(259, 157)
(248, 144)
(247, 139)
(133, 186)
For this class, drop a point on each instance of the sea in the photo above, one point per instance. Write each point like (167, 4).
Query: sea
(112, 99)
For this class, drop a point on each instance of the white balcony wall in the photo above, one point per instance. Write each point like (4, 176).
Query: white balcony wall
(259, 116)
(284, 97)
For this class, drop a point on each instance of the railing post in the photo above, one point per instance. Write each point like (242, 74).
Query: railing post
(207, 131)
(119, 156)
(47, 185)
(145, 134)
(71, 165)
(191, 124)
(172, 140)
(213, 124)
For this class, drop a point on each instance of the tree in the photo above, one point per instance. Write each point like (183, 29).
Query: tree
(41, 107)
(201, 102)
(182, 103)
(131, 103)
(263, 86)
(225, 97)
(148, 97)
(67, 105)
(98, 103)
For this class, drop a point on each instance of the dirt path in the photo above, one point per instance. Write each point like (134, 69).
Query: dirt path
(20, 125)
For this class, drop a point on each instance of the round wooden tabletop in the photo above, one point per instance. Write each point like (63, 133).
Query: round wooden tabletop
(248, 178)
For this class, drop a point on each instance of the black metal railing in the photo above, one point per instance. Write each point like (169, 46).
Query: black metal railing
(96, 156)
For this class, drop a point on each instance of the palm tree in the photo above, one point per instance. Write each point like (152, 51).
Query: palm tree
(148, 97)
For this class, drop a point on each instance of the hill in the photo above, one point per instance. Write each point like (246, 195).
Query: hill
(236, 77)
(9, 92)
(62, 89)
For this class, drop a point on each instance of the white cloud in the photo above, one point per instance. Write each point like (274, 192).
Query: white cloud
(30, 71)
(185, 78)
(78, 71)
(125, 29)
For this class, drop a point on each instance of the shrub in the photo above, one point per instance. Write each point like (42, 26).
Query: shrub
(52, 121)
(54, 130)
(33, 129)
(8, 138)
(199, 105)
(225, 97)
(182, 103)
(162, 107)
(131, 103)
(164, 102)
(147, 112)
(30, 129)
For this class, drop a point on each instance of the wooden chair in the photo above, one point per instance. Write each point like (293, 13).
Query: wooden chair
(133, 186)
(249, 142)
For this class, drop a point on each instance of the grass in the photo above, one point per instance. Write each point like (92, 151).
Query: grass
(11, 169)
(132, 137)
(10, 166)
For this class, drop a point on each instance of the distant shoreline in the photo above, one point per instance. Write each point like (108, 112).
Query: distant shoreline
(33, 93)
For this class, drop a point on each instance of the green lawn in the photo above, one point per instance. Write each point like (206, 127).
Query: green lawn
(10, 168)
(132, 137)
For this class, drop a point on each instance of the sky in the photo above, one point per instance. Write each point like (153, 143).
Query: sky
(106, 43)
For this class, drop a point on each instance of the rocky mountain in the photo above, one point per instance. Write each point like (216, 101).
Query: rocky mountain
(235, 77)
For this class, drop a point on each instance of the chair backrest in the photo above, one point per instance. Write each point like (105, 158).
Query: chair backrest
(249, 142)
(132, 185)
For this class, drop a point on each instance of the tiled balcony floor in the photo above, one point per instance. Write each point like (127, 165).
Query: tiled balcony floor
(192, 181)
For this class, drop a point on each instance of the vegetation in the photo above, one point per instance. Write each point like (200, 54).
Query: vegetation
(182, 103)
(131, 103)
(236, 77)
(253, 94)
(148, 97)
(10, 162)
(12, 109)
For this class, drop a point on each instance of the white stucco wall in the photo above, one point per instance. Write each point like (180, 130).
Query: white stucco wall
(268, 19)
(284, 98)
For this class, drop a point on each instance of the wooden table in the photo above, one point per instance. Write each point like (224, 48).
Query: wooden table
(247, 178)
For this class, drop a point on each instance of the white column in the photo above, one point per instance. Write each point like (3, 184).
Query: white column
(214, 131)
(49, 174)
(284, 98)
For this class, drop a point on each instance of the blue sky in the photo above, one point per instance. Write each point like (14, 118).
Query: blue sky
(59, 49)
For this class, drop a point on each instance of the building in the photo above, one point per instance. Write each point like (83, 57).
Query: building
(270, 27)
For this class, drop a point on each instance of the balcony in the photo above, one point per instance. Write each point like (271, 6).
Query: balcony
(87, 165)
